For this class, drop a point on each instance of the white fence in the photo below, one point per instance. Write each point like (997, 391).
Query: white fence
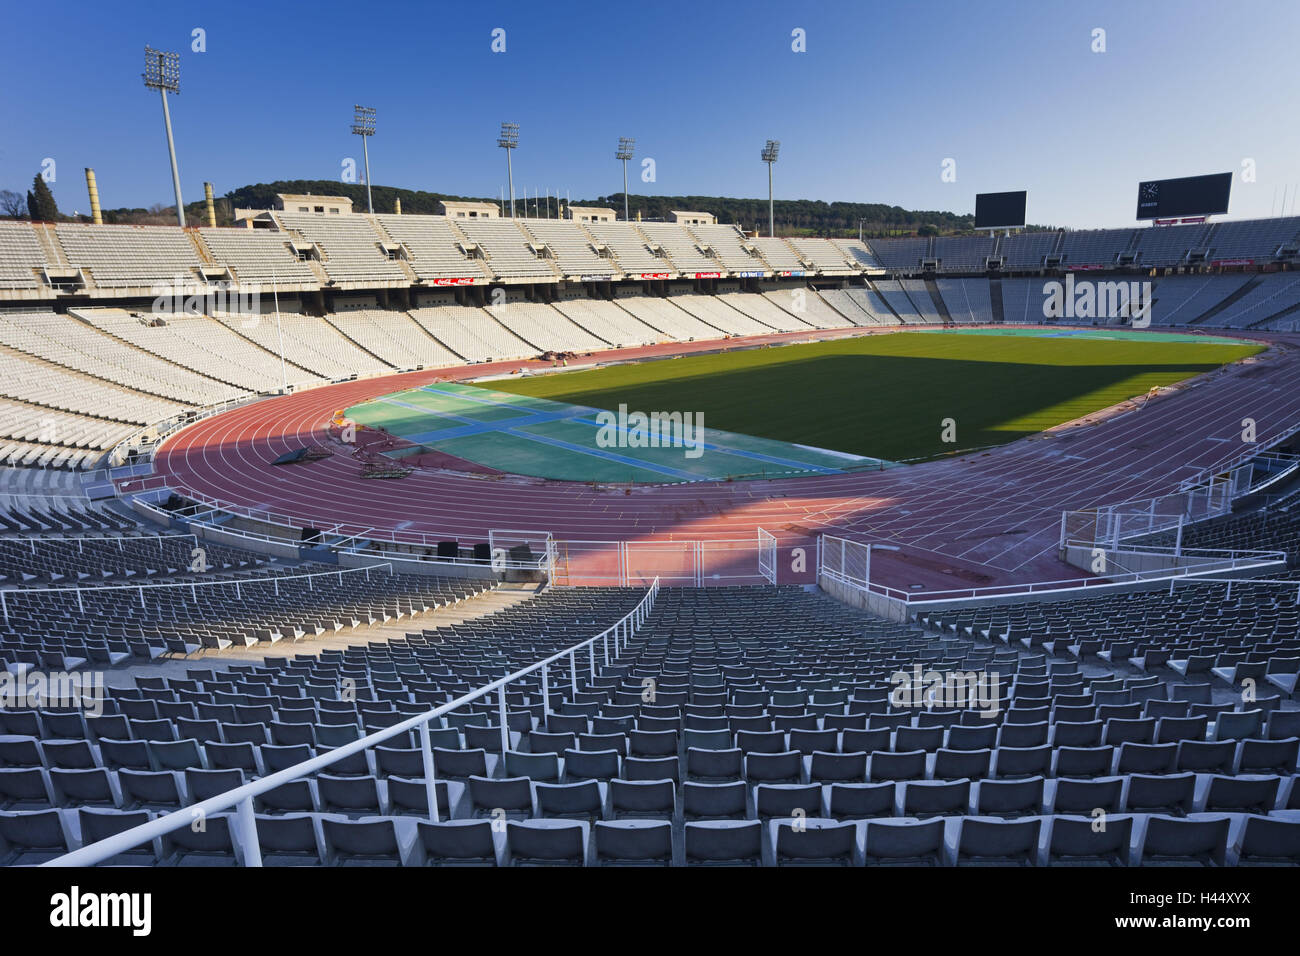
(192, 586)
(693, 563)
(849, 563)
(613, 639)
(767, 556)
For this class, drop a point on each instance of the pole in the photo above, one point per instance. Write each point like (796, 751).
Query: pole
(275, 294)
(365, 149)
(625, 189)
(771, 218)
(430, 786)
(510, 174)
(171, 149)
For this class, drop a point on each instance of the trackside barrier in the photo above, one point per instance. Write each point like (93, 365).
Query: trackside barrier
(567, 563)
(365, 544)
(690, 563)
(848, 562)
(241, 798)
(8, 594)
(767, 556)
(143, 441)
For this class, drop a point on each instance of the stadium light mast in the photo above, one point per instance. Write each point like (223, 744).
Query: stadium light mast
(769, 156)
(509, 140)
(162, 72)
(625, 148)
(363, 125)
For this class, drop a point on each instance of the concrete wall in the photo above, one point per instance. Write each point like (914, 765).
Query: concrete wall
(882, 606)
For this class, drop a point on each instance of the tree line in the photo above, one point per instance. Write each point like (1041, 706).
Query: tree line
(794, 217)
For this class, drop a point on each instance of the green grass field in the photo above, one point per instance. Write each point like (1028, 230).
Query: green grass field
(885, 395)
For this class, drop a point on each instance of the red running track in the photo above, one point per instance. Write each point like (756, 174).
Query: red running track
(986, 518)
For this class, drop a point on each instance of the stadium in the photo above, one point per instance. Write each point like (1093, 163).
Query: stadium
(338, 535)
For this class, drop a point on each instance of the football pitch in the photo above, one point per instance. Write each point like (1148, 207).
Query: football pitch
(817, 408)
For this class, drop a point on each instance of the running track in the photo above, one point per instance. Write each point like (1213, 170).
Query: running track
(991, 517)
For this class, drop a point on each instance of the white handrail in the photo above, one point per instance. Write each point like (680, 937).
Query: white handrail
(242, 797)
(273, 579)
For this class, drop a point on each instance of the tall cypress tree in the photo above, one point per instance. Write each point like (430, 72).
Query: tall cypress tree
(40, 202)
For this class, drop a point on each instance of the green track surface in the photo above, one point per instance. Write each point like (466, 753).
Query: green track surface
(885, 395)
(534, 436)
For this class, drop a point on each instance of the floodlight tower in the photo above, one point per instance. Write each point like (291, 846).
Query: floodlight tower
(625, 147)
(769, 156)
(363, 125)
(162, 72)
(509, 140)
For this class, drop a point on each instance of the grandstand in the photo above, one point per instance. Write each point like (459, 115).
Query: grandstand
(771, 737)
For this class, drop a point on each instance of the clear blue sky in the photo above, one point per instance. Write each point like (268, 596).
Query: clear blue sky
(884, 93)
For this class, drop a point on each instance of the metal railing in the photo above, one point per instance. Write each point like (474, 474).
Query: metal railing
(80, 540)
(241, 798)
(161, 430)
(844, 561)
(7, 594)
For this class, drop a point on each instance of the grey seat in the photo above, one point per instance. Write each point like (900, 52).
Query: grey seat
(509, 797)
(1147, 758)
(546, 843)
(204, 784)
(1081, 841)
(460, 843)
(962, 764)
(1012, 762)
(634, 843)
(289, 840)
(909, 765)
(591, 765)
(538, 767)
(1206, 756)
(408, 795)
(714, 800)
(148, 789)
(1083, 761)
(101, 823)
(460, 764)
(1238, 725)
(993, 842)
(905, 843)
(213, 845)
(1269, 756)
(783, 767)
(1243, 794)
(1266, 841)
(1009, 798)
(787, 800)
(31, 837)
(814, 842)
(24, 788)
(724, 843)
(296, 796)
(363, 842)
(642, 798)
(583, 799)
(826, 767)
(350, 795)
(1160, 794)
(1169, 841)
